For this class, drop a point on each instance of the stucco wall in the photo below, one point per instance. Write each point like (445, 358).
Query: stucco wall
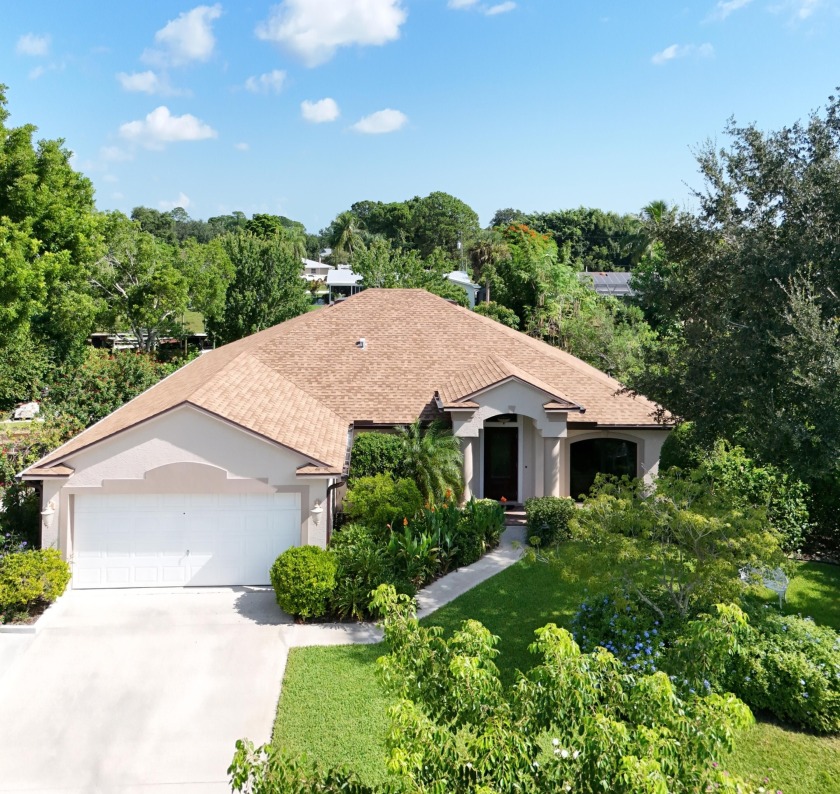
(184, 451)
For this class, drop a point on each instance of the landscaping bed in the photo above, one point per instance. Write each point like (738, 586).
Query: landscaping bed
(333, 708)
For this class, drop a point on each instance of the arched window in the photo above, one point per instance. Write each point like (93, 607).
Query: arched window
(599, 456)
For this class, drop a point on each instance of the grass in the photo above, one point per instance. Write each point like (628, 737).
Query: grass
(194, 322)
(333, 708)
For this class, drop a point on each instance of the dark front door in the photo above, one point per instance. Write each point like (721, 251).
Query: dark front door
(501, 463)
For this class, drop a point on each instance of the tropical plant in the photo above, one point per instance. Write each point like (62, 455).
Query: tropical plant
(432, 458)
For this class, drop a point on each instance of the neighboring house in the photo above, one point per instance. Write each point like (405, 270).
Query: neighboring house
(206, 477)
(316, 271)
(604, 283)
(343, 282)
(463, 280)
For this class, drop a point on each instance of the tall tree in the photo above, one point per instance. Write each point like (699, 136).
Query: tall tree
(745, 282)
(51, 229)
(442, 221)
(140, 282)
(266, 288)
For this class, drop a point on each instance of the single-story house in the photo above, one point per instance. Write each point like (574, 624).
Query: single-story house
(343, 282)
(206, 477)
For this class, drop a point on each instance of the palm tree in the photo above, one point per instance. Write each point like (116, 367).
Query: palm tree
(432, 458)
(345, 233)
(484, 256)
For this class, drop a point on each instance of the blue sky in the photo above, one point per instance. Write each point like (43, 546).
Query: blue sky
(303, 107)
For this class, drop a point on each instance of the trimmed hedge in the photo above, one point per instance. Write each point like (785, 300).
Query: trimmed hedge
(304, 579)
(29, 579)
(379, 501)
(548, 518)
(376, 453)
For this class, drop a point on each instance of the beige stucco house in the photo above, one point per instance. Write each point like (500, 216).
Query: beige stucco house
(206, 477)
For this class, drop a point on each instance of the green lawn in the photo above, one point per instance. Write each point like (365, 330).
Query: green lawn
(333, 709)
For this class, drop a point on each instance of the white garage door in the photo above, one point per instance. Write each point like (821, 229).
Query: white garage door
(168, 540)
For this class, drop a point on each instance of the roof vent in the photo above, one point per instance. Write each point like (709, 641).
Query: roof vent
(362, 344)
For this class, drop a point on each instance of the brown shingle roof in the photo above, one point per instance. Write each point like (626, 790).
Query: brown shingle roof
(302, 382)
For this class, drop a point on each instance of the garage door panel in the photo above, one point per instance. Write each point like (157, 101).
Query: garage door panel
(165, 540)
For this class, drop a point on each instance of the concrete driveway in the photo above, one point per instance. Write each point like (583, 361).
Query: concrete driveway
(140, 690)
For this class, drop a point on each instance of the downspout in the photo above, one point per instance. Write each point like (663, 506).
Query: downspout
(331, 504)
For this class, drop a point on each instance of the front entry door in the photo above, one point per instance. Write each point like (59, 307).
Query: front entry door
(501, 463)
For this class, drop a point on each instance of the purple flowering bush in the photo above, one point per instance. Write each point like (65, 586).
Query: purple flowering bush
(627, 627)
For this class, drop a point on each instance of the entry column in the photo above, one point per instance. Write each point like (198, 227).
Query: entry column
(553, 466)
(468, 448)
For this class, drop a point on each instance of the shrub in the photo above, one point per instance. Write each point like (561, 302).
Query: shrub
(362, 567)
(31, 578)
(681, 448)
(627, 627)
(748, 484)
(781, 664)
(376, 453)
(303, 578)
(548, 518)
(381, 500)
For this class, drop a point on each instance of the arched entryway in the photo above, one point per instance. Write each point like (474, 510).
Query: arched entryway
(593, 456)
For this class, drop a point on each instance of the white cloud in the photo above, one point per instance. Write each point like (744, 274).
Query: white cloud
(33, 44)
(382, 121)
(726, 7)
(187, 38)
(313, 30)
(318, 112)
(147, 83)
(241, 147)
(117, 196)
(500, 8)
(682, 51)
(270, 82)
(161, 127)
(183, 201)
(461, 3)
(112, 178)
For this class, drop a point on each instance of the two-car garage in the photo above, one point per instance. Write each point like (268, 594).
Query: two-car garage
(173, 540)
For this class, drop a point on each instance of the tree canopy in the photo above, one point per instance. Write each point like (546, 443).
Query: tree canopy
(744, 294)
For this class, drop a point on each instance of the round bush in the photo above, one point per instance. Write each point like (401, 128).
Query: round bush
(303, 578)
(548, 518)
(28, 578)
